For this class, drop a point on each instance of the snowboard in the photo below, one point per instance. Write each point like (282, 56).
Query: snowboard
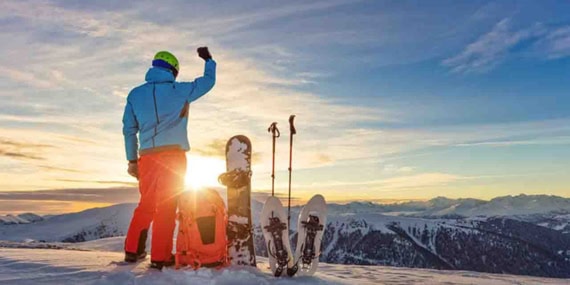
(273, 221)
(310, 229)
(238, 181)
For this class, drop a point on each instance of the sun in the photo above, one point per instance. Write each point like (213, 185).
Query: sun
(203, 172)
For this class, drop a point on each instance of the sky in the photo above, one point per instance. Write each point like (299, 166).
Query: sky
(394, 100)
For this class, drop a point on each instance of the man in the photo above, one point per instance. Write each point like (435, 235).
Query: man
(158, 112)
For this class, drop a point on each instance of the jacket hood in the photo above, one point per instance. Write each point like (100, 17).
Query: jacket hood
(158, 74)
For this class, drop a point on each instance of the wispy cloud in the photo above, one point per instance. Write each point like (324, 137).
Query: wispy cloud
(109, 195)
(557, 43)
(421, 180)
(402, 182)
(562, 140)
(19, 155)
(216, 148)
(492, 48)
(394, 169)
(22, 150)
(47, 201)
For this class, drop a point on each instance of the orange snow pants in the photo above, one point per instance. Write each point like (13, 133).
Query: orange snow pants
(161, 180)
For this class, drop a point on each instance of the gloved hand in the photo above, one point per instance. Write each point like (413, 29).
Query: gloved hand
(204, 53)
(133, 169)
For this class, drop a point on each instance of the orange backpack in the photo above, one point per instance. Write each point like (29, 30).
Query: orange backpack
(201, 240)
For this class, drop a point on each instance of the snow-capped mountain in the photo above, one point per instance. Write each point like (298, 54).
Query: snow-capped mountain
(445, 207)
(25, 218)
(497, 245)
(501, 206)
(556, 220)
(75, 227)
(535, 242)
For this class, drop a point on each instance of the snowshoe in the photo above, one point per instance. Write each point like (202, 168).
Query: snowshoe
(310, 229)
(276, 234)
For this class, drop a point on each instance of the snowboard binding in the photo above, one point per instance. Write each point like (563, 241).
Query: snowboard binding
(238, 231)
(235, 178)
(276, 228)
(308, 249)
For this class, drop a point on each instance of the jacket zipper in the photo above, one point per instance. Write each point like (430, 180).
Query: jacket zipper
(155, 113)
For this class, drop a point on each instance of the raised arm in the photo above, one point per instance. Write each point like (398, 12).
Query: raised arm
(203, 84)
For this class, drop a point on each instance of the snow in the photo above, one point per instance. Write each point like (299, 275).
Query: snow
(441, 206)
(49, 266)
(110, 221)
(400, 213)
(517, 205)
(239, 220)
(236, 155)
(25, 218)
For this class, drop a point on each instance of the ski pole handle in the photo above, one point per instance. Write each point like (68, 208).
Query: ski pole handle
(274, 130)
(292, 124)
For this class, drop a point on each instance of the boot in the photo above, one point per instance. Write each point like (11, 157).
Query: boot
(133, 257)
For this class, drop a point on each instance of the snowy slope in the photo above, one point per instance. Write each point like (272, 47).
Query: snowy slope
(25, 218)
(480, 244)
(87, 225)
(49, 266)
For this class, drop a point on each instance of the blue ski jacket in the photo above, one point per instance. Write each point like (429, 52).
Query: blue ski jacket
(158, 110)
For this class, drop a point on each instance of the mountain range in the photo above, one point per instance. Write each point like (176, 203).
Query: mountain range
(525, 234)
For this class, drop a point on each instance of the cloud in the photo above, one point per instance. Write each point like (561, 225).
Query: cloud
(421, 180)
(371, 188)
(45, 207)
(562, 140)
(556, 44)
(492, 48)
(108, 195)
(24, 77)
(68, 200)
(22, 150)
(19, 155)
(59, 169)
(392, 169)
(116, 183)
(216, 148)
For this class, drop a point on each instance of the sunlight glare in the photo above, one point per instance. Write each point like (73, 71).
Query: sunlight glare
(203, 172)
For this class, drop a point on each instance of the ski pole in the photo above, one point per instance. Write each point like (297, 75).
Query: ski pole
(275, 134)
(293, 132)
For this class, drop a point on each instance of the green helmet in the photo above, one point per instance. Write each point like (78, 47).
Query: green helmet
(166, 60)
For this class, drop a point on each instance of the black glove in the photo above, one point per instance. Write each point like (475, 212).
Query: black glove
(204, 53)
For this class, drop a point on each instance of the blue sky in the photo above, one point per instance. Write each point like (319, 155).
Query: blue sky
(394, 99)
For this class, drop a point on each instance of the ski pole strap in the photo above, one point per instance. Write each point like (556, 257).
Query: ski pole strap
(292, 125)
(274, 130)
